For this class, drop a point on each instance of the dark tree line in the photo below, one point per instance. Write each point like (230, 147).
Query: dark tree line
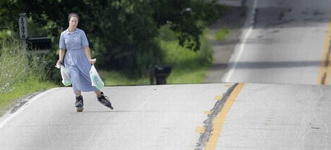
(122, 33)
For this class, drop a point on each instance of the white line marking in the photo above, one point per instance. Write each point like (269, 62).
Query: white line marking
(242, 46)
(2, 124)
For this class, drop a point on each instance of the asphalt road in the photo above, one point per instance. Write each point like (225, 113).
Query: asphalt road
(283, 42)
(273, 98)
(145, 117)
(205, 116)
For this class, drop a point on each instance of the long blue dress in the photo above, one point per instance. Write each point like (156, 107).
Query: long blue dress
(75, 59)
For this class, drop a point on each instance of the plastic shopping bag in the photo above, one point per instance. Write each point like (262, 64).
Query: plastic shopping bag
(66, 80)
(95, 78)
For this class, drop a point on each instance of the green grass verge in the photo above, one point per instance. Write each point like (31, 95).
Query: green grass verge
(112, 78)
(191, 76)
(187, 66)
(21, 74)
(21, 90)
(221, 34)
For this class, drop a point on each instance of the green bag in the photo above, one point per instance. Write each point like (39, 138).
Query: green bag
(95, 78)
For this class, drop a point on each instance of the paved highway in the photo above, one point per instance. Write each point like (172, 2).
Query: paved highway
(272, 97)
(206, 116)
(145, 117)
(283, 42)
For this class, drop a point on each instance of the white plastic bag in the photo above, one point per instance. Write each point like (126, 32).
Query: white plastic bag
(66, 80)
(95, 78)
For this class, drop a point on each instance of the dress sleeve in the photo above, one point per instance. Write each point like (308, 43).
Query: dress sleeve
(62, 44)
(84, 40)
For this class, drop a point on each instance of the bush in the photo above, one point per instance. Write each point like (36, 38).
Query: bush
(187, 66)
(18, 67)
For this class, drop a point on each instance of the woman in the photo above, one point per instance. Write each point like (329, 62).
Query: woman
(75, 53)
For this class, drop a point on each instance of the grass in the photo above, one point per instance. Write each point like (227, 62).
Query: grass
(177, 76)
(187, 76)
(112, 78)
(187, 66)
(221, 34)
(23, 89)
(21, 74)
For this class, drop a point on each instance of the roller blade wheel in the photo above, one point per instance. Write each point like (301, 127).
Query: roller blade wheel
(80, 109)
(104, 101)
(79, 103)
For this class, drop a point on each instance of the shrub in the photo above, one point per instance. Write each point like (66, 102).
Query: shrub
(17, 66)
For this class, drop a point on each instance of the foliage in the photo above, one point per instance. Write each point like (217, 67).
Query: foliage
(21, 73)
(13, 62)
(221, 34)
(17, 67)
(187, 18)
(187, 66)
(129, 41)
(123, 34)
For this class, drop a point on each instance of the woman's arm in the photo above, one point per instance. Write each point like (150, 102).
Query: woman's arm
(88, 54)
(62, 48)
(61, 55)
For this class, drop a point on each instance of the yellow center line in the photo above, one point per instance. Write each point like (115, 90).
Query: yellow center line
(325, 68)
(220, 118)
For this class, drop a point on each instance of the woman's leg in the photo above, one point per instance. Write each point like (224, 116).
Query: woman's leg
(79, 101)
(78, 93)
(98, 93)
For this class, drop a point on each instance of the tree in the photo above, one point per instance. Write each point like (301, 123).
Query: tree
(129, 36)
(186, 17)
(122, 33)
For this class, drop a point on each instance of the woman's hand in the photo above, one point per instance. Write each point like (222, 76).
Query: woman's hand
(58, 63)
(92, 61)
